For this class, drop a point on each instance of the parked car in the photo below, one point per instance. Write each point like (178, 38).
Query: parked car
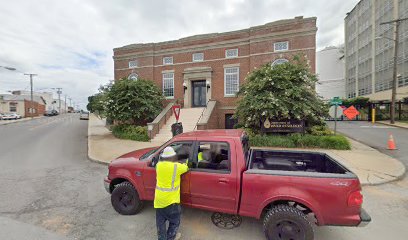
(1, 116)
(17, 116)
(84, 116)
(51, 113)
(284, 188)
(10, 116)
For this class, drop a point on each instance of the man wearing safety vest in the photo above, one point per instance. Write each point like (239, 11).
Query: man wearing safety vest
(167, 194)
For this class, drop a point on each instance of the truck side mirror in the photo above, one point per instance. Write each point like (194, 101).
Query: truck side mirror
(155, 159)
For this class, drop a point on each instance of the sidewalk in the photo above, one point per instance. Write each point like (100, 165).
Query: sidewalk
(5, 122)
(397, 124)
(371, 166)
(103, 147)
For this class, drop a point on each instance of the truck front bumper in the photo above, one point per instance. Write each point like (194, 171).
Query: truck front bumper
(365, 218)
(106, 183)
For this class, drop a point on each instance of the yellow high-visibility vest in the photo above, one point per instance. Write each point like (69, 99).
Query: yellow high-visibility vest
(200, 156)
(168, 175)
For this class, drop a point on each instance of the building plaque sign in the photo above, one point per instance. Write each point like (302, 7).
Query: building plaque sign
(283, 126)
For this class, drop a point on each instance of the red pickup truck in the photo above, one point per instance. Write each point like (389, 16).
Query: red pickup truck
(289, 190)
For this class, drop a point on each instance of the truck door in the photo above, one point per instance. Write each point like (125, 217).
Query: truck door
(213, 184)
(184, 151)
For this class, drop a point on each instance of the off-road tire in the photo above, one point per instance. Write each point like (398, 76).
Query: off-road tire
(287, 217)
(125, 199)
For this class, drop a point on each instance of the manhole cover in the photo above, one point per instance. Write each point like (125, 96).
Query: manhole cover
(226, 221)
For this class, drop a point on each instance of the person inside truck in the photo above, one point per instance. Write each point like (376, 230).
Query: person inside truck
(213, 155)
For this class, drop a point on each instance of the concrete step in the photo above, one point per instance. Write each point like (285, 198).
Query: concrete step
(188, 117)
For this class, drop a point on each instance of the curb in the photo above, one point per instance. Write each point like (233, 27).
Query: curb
(397, 178)
(88, 155)
(392, 125)
(23, 120)
(93, 159)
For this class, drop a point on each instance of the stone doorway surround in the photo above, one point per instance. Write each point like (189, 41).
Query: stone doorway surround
(193, 74)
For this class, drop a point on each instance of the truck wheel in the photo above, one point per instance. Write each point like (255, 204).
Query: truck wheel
(125, 199)
(284, 222)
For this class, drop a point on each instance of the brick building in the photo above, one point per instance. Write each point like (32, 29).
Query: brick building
(196, 69)
(21, 104)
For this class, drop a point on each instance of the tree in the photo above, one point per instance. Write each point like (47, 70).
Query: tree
(133, 101)
(284, 91)
(358, 101)
(97, 102)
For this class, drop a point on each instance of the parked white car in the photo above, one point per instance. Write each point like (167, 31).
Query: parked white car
(18, 116)
(11, 116)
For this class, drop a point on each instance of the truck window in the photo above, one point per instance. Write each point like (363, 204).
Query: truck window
(183, 150)
(214, 156)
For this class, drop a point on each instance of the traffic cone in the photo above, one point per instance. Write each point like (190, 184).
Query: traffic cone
(391, 143)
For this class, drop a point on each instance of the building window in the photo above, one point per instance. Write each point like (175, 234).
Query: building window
(168, 85)
(198, 57)
(231, 53)
(281, 46)
(279, 61)
(133, 76)
(13, 107)
(133, 64)
(231, 81)
(167, 60)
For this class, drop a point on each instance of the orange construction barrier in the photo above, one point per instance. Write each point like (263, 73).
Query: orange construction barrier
(391, 143)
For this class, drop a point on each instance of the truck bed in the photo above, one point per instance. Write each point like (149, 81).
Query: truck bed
(264, 161)
(314, 180)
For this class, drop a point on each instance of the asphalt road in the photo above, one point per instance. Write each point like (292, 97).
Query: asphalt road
(50, 190)
(376, 136)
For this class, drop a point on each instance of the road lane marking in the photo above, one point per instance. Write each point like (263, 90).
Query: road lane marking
(381, 127)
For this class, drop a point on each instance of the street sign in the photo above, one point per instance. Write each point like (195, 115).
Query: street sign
(176, 111)
(336, 101)
(351, 112)
(335, 112)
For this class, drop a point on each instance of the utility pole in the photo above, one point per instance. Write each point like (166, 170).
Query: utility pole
(70, 105)
(59, 99)
(65, 103)
(394, 74)
(31, 110)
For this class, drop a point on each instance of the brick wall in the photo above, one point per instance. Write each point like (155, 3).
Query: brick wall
(255, 48)
(39, 109)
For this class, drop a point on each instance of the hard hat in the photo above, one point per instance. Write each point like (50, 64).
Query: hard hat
(168, 152)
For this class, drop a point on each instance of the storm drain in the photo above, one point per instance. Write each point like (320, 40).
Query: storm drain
(226, 221)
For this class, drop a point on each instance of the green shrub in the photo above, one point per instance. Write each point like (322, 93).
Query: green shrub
(301, 141)
(132, 132)
(271, 141)
(320, 131)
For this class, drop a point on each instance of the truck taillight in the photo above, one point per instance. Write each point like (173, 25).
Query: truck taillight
(355, 199)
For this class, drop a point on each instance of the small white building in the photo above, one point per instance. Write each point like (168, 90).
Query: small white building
(46, 96)
(330, 71)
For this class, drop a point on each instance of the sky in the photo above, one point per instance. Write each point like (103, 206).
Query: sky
(69, 43)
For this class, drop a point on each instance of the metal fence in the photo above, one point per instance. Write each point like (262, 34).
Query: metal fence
(382, 110)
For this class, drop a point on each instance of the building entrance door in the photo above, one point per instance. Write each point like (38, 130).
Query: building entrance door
(199, 93)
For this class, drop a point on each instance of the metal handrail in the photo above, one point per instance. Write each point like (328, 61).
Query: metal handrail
(202, 113)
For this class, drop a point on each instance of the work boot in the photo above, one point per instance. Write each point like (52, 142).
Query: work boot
(178, 236)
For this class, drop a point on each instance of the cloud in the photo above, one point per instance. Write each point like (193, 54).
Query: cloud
(69, 43)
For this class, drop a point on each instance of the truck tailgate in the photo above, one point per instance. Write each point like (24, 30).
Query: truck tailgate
(325, 195)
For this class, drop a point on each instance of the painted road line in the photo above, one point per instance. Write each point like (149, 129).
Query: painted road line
(380, 127)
